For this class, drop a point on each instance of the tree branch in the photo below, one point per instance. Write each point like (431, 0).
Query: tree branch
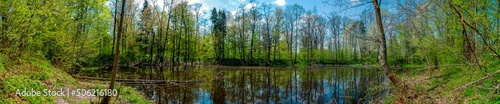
(475, 30)
(439, 66)
(476, 81)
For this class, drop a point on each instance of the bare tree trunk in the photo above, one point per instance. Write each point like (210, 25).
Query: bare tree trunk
(151, 47)
(159, 33)
(22, 41)
(167, 31)
(467, 48)
(243, 39)
(383, 51)
(114, 27)
(106, 99)
(252, 38)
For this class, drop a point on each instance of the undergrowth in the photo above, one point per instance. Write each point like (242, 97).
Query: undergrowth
(454, 84)
(37, 75)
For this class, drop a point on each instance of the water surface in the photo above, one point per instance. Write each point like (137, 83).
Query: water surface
(334, 85)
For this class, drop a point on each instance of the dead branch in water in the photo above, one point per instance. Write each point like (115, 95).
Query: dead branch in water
(140, 81)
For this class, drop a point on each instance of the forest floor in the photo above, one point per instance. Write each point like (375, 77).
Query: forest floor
(39, 75)
(453, 84)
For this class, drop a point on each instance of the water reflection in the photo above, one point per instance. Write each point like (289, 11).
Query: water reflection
(258, 85)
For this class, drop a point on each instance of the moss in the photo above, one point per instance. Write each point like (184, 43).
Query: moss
(1, 66)
(126, 93)
(3, 63)
(20, 82)
(2, 70)
(40, 74)
(389, 99)
(420, 87)
(132, 96)
(450, 82)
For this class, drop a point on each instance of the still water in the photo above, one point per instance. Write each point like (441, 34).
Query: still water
(241, 85)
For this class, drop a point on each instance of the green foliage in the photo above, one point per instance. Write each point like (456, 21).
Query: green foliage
(1, 66)
(54, 29)
(494, 65)
(15, 82)
(219, 31)
(39, 74)
(132, 96)
(33, 75)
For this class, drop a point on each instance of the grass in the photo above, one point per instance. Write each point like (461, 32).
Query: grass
(40, 74)
(3, 59)
(448, 84)
(1, 67)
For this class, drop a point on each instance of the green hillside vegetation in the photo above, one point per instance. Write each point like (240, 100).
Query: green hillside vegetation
(40, 74)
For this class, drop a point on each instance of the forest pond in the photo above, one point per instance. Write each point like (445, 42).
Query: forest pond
(240, 85)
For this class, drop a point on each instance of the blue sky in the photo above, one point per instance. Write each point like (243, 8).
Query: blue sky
(339, 7)
(232, 5)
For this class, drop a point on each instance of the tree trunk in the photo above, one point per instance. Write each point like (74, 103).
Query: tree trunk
(114, 28)
(106, 99)
(243, 41)
(383, 51)
(251, 39)
(465, 23)
(151, 47)
(168, 28)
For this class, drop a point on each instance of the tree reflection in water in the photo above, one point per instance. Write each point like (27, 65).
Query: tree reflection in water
(259, 85)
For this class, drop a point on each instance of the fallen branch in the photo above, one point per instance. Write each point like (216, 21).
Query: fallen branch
(494, 90)
(438, 66)
(476, 81)
(139, 81)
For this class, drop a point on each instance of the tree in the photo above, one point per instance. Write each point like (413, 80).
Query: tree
(243, 36)
(278, 16)
(106, 99)
(383, 47)
(334, 28)
(147, 36)
(219, 33)
(197, 8)
(168, 31)
(254, 16)
(267, 34)
(293, 13)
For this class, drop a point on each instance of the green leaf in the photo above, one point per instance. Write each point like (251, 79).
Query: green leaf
(483, 68)
(494, 64)
(1, 66)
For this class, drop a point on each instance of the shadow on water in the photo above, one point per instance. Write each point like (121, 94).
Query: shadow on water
(332, 85)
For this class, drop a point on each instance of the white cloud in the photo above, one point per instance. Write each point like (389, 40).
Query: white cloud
(250, 6)
(233, 12)
(194, 1)
(280, 2)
